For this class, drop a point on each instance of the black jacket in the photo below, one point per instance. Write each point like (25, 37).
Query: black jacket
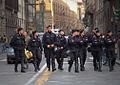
(18, 42)
(110, 42)
(73, 42)
(49, 38)
(97, 42)
(60, 41)
(35, 43)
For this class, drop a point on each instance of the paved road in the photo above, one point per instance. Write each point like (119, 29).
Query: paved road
(88, 77)
(9, 77)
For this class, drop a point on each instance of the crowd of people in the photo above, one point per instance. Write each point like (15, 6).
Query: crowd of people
(56, 46)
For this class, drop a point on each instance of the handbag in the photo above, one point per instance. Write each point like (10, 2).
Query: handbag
(28, 54)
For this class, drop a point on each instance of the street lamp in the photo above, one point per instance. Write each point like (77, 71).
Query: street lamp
(52, 13)
(42, 11)
(39, 15)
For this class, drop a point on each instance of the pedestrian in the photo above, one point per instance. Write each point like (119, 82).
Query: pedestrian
(27, 38)
(18, 44)
(83, 44)
(60, 46)
(73, 45)
(49, 39)
(110, 42)
(96, 45)
(35, 46)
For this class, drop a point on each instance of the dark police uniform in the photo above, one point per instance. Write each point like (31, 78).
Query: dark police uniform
(18, 44)
(96, 46)
(49, 38)
(60, 47)
(73, 43)
(83, 51)
(110, 51)
(35, 46)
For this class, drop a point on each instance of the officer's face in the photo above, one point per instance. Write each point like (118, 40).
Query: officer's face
(36, 34)
(98, 34)
(49, 29)
(110, 34)
(25, 33)
(75, 33)
(62, 33)
(21, 32)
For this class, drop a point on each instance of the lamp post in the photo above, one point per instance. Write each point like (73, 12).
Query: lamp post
(42, 11)
(39, 15)
(52, 13)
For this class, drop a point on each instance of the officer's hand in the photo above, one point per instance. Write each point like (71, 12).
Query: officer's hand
(61, 47)
(52, 45)
(72, 40)
(48, 46)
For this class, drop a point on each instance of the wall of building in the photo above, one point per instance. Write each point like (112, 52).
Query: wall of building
(64, 18)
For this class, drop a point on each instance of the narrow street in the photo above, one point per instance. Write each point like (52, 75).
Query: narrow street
(9, 77)
(88, 77)
(44, 77)
(45, 31)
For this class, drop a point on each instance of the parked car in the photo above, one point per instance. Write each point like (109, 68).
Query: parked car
(10, 55)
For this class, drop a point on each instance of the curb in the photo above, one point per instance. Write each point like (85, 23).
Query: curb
(118, 62)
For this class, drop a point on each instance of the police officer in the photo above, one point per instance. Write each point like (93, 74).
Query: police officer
(35, 46)
(110, 49)
(96, 46)
(73, 44)
(49, 39)
(60, 47)
(83, 49)
(18, 44)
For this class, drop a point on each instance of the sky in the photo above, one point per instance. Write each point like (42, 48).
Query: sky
(72, 4)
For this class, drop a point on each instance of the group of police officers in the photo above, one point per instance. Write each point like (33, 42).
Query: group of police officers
(56, 46)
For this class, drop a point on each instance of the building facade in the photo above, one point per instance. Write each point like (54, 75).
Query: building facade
(100, 13)
(64, 18)
(104, 14)
(16, 13)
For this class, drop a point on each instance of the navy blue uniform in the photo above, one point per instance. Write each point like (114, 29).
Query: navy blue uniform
(49, 38)
(60, 48)
(73, 44)
(35, 46)
(110, 51)
(97, 43)
(83, 43)
(18, 44)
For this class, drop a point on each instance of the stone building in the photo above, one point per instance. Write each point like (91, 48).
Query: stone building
(64, 18)
(100, 13)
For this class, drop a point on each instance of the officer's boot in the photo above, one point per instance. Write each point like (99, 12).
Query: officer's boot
(99, 67)
(15, 69)
(38, 68)
(53, 66)
(110, 66)
(22, 69)
(95, 68)
(35, 66)
(61, 65)
(70, 62)
(69, 68)
(82, 68)
(76, 68)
